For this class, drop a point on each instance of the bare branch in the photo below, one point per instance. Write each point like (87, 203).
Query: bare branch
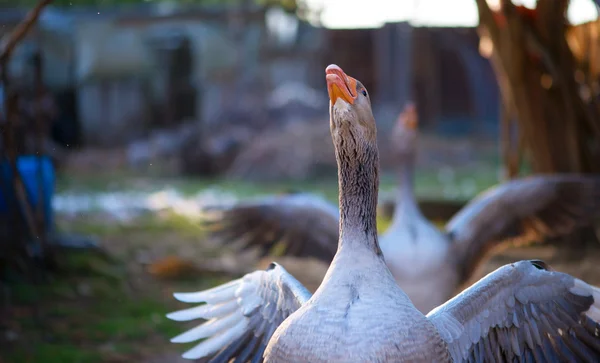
(12, 39)
(7, 46)
(486, 18)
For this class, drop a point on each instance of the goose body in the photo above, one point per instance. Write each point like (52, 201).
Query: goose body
(522, 311)
(429, 264)
(420, 267)
(363, 315)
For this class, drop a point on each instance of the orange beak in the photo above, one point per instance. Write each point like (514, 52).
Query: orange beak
(411, 124)
(409, 117)
(340, 85)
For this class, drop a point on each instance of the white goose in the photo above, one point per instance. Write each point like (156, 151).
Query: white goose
(522, 311)
(429, 265)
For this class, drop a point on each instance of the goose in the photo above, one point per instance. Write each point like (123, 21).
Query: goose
(522, 311)
(430, 265)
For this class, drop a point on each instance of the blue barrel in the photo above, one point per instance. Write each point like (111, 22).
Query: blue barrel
(28, 167)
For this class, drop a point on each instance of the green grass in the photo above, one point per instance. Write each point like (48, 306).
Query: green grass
(104, 307)
(150, 224)
(427, 183)
(94, 309)
(94, 182)
(56, 353)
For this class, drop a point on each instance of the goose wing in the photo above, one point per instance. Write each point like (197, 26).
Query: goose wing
(522, 312)
(522, 210)
(306, 224)
(242, 315)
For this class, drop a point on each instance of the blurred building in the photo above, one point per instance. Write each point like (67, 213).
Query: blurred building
(126, 71)
(116, 74)
(440, 69)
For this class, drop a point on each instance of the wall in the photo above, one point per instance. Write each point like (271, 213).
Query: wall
(455, 87)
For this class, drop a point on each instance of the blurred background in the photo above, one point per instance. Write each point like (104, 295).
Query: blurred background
(122, 119)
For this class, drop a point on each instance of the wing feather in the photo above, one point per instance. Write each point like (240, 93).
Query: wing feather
(243, 314)
(520, 211)
(306, 224)
(523, 311)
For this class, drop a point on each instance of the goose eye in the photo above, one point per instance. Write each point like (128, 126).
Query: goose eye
(364, 92)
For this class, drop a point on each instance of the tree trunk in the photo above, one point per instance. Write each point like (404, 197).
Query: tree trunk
(551, 91)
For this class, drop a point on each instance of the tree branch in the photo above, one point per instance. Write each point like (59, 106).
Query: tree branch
(9, 43)
(486, 18)
(11, 40)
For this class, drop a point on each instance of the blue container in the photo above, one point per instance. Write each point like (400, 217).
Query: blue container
(28, 167)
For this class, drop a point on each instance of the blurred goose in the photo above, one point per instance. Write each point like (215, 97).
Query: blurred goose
(522, 311)
(430, 265)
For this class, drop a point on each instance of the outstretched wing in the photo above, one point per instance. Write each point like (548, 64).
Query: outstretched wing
(306, 224)
(522, 210)
(522, 311)
(242, 315)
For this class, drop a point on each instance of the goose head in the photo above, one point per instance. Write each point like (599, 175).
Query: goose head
(354, 137)
(405, 132)
(351, 118)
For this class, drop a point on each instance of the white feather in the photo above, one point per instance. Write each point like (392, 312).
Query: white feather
(216, 343)
(581, 288)
(250, 304)
(203, 311)
(211, 327)
(215, 295)
(593, 313)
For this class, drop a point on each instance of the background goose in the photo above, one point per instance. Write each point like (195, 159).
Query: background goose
(521, 311)
(430, 265)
